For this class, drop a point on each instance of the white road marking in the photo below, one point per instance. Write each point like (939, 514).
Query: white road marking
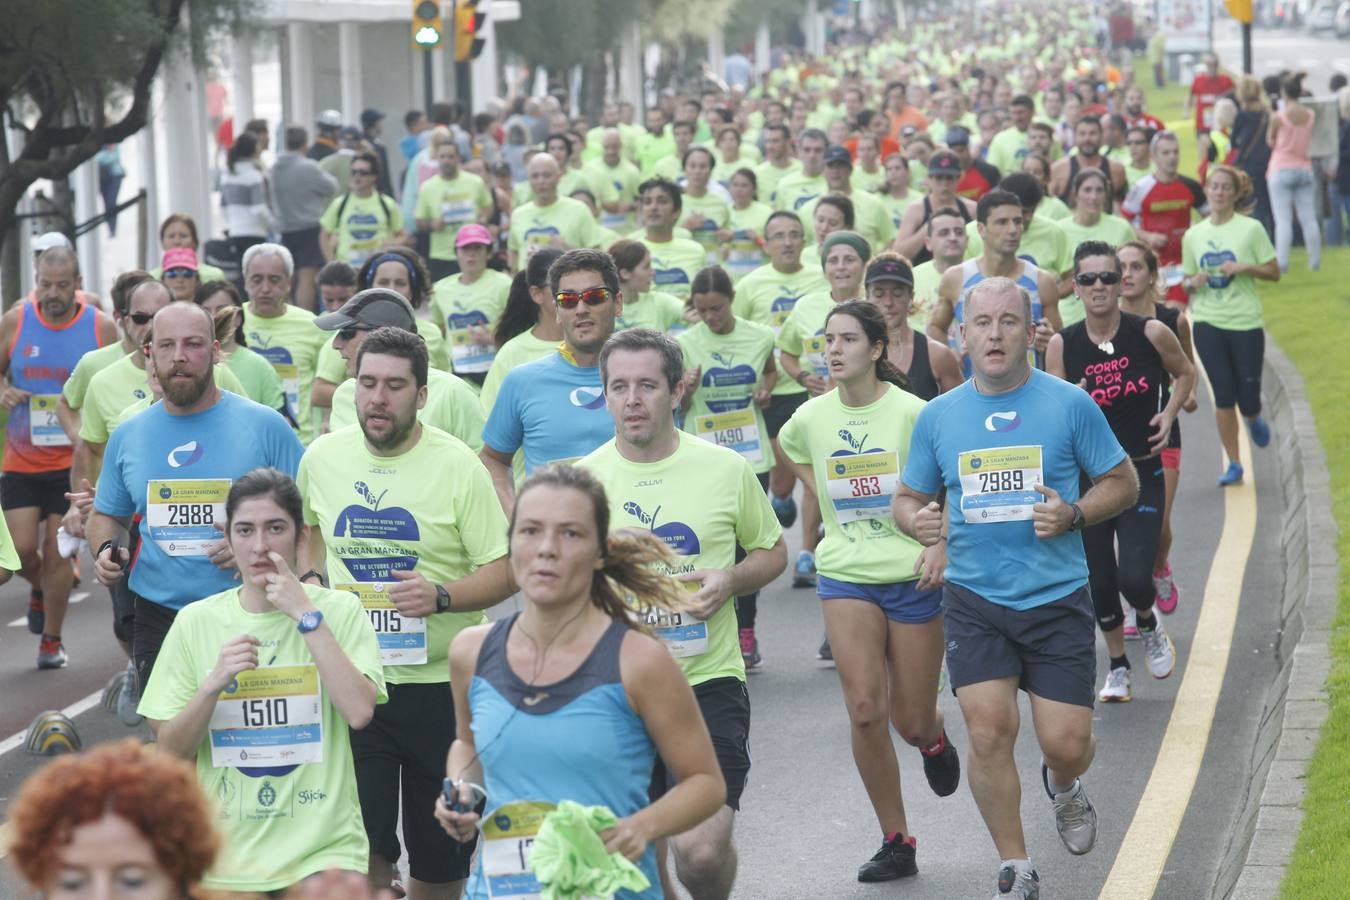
(23, 619)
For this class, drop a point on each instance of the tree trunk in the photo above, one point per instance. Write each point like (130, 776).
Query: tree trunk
(594, 72)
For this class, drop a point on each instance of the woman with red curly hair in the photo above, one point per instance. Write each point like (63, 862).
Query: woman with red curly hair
(120, 820)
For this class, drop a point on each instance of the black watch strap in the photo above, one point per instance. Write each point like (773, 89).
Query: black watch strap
(1078, 520)
(442, 599)
(314, 573)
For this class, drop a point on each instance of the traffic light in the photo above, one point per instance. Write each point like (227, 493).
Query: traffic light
(427, 26)
(468, 26)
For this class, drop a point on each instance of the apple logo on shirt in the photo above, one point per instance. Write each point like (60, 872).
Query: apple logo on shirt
(677, 535)
(1211, 260)
(367, 521)
(664, 274)
(783, 304)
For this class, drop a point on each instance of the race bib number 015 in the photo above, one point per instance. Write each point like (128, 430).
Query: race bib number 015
(181, 516)
(861, 485)
(737, 430)
(268, 717)
(508, 837)
(998, 485)
(403, 640)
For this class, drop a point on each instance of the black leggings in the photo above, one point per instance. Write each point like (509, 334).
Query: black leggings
(1137, 530)
(747, 606)
(1233, 361)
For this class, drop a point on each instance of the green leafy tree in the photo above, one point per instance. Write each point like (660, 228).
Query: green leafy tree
(78, 74)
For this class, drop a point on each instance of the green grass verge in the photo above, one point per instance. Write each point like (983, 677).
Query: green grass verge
(1306, 314)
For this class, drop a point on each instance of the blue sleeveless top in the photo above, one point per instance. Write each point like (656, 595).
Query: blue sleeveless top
(576, 739)
(41, 358)
(971, 276)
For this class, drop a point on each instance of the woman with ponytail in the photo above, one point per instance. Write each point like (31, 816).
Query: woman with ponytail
(879, 588)
(569, 699)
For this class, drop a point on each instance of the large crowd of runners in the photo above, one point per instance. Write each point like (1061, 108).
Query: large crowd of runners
(934, 298)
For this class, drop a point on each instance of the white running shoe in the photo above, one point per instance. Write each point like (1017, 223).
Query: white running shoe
(1117, 687)
(1159, 650)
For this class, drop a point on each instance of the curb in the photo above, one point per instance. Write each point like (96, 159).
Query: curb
(1262, 839)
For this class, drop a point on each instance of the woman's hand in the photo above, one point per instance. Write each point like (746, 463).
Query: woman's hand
(626, 838)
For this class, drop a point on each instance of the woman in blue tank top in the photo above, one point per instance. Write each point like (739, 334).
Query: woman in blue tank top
(567, 700)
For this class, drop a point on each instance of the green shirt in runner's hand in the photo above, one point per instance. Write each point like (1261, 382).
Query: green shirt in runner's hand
(722, 409)
(432, 510)
(279, 823)
(1229, 302)
(857, 454)
(702, 500)
(468, 313)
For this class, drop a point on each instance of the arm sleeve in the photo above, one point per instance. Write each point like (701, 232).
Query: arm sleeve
(175, 677)
(286, 448)
(329, 219)
(1262, 249)
(356, 636)
(503, 431)
(922, 472)
(757, 526)
(794, 442)
(302, 481)
(482, 524)
(112, 497)
(790, 339)
(1189, 264)
(423, 208)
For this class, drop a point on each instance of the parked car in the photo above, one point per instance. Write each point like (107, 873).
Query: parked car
(1321, 16)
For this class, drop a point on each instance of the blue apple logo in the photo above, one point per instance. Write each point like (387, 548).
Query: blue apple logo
(664, 275)
(784, 304)
(677, 535)
(457, 321)
(360, 234)
(803, 200)
(728, 376)
(367, 521)
(1211, 262)
(540, 234)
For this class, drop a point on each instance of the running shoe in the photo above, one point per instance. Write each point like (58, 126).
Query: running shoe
(1131, 627)
(1117, 687)
(943, 769)
(1075, 816)
(1232, 475)
(804, 571)
(1159, 650)
(1259, 431)
(129, 699)
(1016, 884)
(37, 616)
(1166, 594)
(51, 654)
(825, 652)
(785, 508)
(894, 860)
(750, 648)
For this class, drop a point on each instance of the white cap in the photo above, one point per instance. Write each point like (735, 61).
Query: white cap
(330, 118)
(49, 240)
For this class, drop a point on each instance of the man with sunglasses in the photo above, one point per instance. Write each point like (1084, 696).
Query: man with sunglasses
(451, 404)
(554, 408)
(1010, 448)
(1125, 363)
(361, 221)
(43, 340)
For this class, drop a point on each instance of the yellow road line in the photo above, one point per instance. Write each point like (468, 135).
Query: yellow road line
(1157, 819)
(4, 839)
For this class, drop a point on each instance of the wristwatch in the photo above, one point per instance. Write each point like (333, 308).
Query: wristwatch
(313, 573)
(1078, 520)
(309, 621)
(442, 599)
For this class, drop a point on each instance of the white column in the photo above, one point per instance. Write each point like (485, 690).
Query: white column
(299, 66)
(811, 28)
(630, 76)
(241, 66)
(186, 151)
(349, 65)
(149, 164)
(763, 48)
(89, 203)
(716, 52)
(484, 68)
(901, 15)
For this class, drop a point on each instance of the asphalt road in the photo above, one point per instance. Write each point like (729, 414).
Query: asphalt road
(806, 823)
(1321, 54)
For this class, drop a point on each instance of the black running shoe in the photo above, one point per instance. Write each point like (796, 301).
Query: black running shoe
(894, 860)
(943, 769)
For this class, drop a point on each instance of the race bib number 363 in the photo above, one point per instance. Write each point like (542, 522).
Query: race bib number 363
(272, 716)
(861, 485)
(403, 640)
(998, 485)
(181, 515)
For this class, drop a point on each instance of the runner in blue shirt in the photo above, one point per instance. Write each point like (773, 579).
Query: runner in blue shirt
(170, 467)
(1009, 447)
(554, 408)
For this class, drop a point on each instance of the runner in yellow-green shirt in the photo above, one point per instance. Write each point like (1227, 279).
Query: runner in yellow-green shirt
(778, 160)
(362, 220)
(403, 516)
(675, 260)
(703, 209)
(469, 303)
(743, 248)
(642, 306)
(705, 503)
(263, 687)
(617, 180)
(446, 202)
(549, 220)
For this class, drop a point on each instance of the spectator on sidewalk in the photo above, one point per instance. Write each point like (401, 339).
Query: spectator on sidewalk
(245, 196)
(110, 175)
(372, 127)
(1290, 175)
(1251, 153)
(329, 124)
(302, 191)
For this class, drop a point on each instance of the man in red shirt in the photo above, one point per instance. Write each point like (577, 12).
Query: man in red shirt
(1159, 206)
(977, 176)
(1206, 89)
(1134, 112)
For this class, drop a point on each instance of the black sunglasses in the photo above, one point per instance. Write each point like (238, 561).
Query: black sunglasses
(140, 318)
(1088, 279)
(362, 172)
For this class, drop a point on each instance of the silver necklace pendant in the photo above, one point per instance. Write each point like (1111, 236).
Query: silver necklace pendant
(1107, 347)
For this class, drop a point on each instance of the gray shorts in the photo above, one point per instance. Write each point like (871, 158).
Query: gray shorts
(1052, 649)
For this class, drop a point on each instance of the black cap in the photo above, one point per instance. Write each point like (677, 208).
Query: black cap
(370, 116)
(957, 136)
(944, 162)
(370, 309)
(838, 154)
(889, 270)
